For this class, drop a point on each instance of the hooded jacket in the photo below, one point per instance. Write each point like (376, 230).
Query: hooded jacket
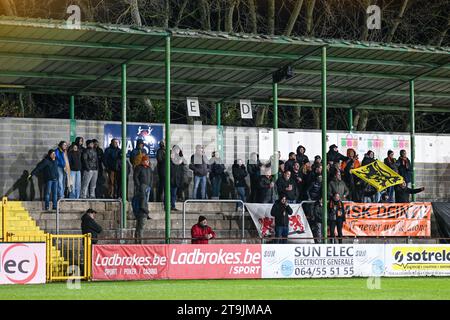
(301, 158)
(336, 211)
(176, 168)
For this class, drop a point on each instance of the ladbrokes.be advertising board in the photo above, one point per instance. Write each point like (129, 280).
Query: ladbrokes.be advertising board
(417, 260)
(214, 261)
(140, 262)
(388, 219)
(22, 263)
(129, 262)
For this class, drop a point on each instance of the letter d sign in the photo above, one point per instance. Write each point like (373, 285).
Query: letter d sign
(246, 109)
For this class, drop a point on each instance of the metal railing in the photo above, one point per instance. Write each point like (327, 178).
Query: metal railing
(88, 200)
(213, 201)
(66, 254)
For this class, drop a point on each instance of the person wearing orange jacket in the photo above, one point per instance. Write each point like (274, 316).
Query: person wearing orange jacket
(201, 233)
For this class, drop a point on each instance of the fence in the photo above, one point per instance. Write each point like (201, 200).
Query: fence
(69, 257)
(213, 201)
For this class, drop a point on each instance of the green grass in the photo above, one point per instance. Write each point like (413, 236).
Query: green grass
(280, 289)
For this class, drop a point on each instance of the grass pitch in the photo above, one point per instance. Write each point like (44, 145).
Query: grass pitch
(279, 289)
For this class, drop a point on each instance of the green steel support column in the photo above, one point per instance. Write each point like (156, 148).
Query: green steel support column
(219, 129)
(275, 131)
(168, 143)
(350, 119)
(73, 122)
(324, 144)
(124, 146)
(412, 125)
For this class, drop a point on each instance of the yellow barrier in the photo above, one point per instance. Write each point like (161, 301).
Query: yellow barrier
(65, 253)
(70, 253)
(4, 213)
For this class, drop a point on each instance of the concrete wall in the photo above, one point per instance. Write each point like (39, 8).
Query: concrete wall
(24, 142)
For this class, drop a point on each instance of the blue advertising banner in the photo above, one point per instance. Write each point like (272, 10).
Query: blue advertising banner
(151, 134)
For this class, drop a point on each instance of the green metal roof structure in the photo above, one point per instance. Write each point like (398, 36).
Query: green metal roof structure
(46, 56)
(52, 57)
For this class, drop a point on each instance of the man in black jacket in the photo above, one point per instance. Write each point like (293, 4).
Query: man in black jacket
(88, 225)
(254, 171)
(49, 167)
(281, 211)
(142, 184)
(288, 187)
(402, 193)
(161, 169)
(239, 174)
(333, 155)
(112, 162)
(314, 217)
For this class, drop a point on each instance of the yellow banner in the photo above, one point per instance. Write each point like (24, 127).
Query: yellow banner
(378, 175)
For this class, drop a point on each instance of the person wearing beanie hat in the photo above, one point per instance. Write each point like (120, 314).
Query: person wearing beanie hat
(201, 233)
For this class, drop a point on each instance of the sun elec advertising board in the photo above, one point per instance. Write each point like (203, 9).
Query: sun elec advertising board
(22, 263)
(322, 261)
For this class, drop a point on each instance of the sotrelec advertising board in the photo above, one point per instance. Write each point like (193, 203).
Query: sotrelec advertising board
(22, 263)
(140, 262)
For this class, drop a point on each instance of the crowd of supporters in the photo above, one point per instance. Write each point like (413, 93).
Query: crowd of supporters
(84, 170)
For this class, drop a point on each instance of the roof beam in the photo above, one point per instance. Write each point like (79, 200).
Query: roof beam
(388, 91)
(181, 97)
(217, 52)
(223, 84)
(153, 63)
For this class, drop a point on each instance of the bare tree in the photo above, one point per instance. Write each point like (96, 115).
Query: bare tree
(229, 15)
(309, 16)
(253, 21)
(271, 17)
(293, 17)
(180, 13)
(397, 21)
(205, 15)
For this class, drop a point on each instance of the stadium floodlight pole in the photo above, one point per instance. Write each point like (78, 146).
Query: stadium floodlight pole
(168, 144)
(73, 122)
(412, 126)
(275, 131)
(324, 144)
(350, 120)
(124, 146)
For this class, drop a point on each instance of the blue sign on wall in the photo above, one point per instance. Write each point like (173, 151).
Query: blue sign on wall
(151, 134)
